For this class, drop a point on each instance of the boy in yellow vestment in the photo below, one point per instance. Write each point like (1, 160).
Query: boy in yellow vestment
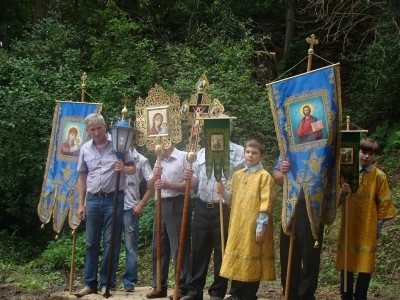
(368, 208)
(249, 255)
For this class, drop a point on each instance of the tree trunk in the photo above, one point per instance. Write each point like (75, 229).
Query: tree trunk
(290, 26)
(40, 10)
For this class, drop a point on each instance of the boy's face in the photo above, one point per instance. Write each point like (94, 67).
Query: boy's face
(252, 156)
(366, 158)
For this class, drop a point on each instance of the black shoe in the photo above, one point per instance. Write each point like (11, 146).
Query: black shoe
(180, 295)
(188, 297)
(157, 294)
(233, 297)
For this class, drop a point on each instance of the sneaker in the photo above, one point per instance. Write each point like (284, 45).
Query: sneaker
(85, 291)
(129, 288)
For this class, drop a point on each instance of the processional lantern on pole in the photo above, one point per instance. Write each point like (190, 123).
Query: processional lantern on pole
(158, 125)
(122, 134)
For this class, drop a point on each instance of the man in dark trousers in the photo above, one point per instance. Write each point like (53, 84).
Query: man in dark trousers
(206, 230)
(306, 257)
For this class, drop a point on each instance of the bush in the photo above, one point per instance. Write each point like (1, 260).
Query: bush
(58, 253)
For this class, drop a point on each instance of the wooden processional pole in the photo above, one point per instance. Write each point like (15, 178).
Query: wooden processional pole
(71, 274)
(312, 41)
(346, 221)
(158, 150)
(191, 158)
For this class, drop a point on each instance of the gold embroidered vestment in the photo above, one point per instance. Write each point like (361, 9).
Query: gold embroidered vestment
(244, 259)
(371, 202)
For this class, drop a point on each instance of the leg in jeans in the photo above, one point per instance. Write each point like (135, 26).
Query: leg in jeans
(107, 209)
(131, 235)
(362, 286)
(348, 295)
(94, 221)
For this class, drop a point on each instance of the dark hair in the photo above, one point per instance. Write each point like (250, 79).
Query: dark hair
(256, 143)
(305, 107)
(369, 145)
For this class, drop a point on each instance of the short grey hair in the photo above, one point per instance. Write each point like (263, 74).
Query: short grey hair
(93, 119)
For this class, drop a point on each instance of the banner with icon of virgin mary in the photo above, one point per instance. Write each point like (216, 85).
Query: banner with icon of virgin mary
(307, 113)
(59, 193)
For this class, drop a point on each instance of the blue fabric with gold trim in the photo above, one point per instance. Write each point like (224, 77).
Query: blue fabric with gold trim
(307, 115)
(59, 193)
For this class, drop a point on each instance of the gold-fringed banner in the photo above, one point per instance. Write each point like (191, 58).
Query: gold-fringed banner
(307, 116)
(59, 193)
(217, 147)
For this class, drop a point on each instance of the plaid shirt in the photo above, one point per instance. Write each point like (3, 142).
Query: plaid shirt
(206, 189)
(143, 170)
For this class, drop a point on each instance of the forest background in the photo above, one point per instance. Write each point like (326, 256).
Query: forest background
(128, 46)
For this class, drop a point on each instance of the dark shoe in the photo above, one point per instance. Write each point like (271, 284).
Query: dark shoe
(157, 294)
(215, 298)
(233, 297)
(112, 289)
(85, 291)
(180, 295)
(188, 297)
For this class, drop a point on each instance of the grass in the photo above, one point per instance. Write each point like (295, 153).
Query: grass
(42, 274)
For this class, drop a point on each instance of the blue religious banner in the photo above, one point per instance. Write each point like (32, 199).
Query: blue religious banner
(307, 114)
(59, 192)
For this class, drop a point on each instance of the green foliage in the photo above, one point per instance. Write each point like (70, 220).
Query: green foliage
(14, 249)
(126, 47)
(146, 223)
(58, 253)
(373, 90)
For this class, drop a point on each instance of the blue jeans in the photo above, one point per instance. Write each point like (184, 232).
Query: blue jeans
(131, 235)
(99, 212)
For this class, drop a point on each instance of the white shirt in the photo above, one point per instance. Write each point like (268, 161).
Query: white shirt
(173, 169)
(206, 190)
(143, 170)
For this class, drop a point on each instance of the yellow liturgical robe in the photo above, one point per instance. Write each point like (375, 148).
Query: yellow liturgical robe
(244, 259)
(371, 202)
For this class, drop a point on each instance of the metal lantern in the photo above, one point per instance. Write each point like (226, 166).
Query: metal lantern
(122, 135)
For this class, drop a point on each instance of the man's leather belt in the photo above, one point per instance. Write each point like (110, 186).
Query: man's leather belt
(106, 195)
(166, 199)
(208, 204)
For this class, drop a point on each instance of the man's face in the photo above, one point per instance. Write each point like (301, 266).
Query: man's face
(306, 111)
(97, 132)
(366, 158)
